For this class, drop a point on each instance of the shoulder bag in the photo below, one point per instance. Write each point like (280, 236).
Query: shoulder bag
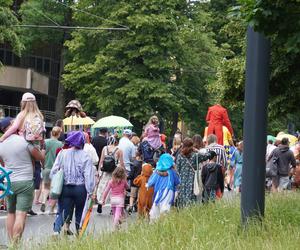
(198, 186)
(57, 183)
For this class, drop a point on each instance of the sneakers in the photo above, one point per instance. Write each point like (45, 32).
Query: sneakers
(43, 208)
(130, 210)
(30, 212)
(99, 209)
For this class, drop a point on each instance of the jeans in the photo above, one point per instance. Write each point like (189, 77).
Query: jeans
(72, 196)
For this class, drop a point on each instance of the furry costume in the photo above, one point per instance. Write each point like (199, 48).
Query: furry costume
(217, 117)
(145, 195)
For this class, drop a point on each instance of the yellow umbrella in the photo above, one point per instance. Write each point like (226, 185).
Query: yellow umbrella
(292, 139)
(74, 121)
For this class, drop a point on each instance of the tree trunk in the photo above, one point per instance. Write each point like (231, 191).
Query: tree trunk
(174, 124)
(61, 95)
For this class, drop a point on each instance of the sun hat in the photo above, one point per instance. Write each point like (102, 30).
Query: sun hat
(165, 162)
(28, 97)
(5, 122)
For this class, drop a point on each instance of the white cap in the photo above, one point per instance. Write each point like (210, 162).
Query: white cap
(28, 97)
(127, 132)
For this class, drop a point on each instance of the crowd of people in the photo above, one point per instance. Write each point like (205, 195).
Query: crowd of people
(142, 174)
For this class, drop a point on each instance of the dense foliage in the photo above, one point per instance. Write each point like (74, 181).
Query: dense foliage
(274, 19)
(8, 33)
(162, 63)
(174, 57)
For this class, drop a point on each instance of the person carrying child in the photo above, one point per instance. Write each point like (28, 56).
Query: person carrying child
(212, 178)
(145, 195)
(165, 181)
(117, 187)
(29, 122)
(135, 171)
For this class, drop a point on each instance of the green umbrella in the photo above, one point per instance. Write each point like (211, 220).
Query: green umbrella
(271, 138)
(112, 122)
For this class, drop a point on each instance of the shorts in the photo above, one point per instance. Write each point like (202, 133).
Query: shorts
(46, 175)
(22, 198)
(134, 192)
(281, 182)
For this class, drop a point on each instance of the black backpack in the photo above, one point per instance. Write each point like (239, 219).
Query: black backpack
(109, 162)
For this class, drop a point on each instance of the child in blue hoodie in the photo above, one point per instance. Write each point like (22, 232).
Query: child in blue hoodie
(164, 180)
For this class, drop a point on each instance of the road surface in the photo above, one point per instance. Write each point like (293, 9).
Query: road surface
(39, 227)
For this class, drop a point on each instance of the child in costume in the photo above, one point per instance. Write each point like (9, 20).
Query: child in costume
(117, 187)
(135, 171)
(145, 195)
(29, 122)
(165, 181)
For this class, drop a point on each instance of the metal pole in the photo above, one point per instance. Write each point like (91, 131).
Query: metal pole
(255, 126)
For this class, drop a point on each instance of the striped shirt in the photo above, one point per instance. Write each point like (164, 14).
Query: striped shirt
(221, 153)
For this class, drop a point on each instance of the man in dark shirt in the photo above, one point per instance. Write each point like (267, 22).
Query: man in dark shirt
(100, 141)
(285, 160)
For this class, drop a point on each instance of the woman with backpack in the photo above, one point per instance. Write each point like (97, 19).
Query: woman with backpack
(111, 157)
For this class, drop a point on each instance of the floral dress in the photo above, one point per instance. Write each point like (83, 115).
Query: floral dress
(184, 167)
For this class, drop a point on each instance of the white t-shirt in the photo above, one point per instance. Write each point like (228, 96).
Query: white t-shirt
(91, 151)
(128, 150)
(15, 152)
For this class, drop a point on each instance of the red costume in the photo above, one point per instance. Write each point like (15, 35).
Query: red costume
(216, 118)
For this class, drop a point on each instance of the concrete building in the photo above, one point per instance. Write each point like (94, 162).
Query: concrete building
(36, 72)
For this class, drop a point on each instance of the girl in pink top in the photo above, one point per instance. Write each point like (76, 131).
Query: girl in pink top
(117, 187)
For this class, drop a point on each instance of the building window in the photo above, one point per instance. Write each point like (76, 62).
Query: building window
(8, 58)
(46, 66)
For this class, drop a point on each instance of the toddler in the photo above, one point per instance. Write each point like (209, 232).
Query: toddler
(165, 181)
(29, 122)
(145, 195)
(117, 187)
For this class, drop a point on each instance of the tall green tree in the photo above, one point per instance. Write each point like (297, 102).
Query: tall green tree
(49, 12)
(160, 64)
(8, 33)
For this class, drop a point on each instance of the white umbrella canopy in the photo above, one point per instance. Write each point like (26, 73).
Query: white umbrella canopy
(112, 122)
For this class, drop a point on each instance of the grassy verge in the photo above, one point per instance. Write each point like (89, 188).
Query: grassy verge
(215, 226)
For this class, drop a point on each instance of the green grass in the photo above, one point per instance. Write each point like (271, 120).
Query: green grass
(215, 226)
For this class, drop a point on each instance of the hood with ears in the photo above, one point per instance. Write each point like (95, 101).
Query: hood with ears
(147, 170)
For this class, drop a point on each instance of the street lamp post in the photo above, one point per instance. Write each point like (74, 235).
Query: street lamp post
(255, 126)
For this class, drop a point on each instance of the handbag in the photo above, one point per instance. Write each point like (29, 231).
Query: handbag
(197, 186)
(272, 167)
(57, 183)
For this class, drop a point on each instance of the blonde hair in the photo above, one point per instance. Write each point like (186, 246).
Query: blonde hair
(176, 143)
(55, 132)
(29, 110)
(151, 119)
(119, 174)
(135, 140)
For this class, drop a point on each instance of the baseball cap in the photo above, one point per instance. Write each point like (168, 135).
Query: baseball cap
(5, 122)
(127, 132)
(28, 97)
